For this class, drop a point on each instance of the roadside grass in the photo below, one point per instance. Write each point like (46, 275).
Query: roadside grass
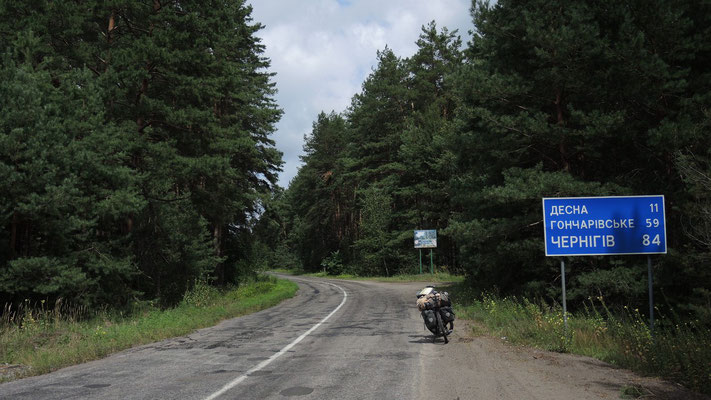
(43, 341)
(437, 277)
(632, 392)
(680, 352)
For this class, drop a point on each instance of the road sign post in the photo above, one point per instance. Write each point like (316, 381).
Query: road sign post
(651, 294)
(426, 239)
(615, 225)
(565, 307)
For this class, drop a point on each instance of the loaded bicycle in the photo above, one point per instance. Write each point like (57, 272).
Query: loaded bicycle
(436, 310)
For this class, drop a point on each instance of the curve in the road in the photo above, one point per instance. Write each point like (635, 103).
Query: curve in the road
(286, 348)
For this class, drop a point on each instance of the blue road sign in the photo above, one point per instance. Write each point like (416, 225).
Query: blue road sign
(587, 226)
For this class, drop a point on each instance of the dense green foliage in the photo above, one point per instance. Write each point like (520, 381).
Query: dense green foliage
(562, 98)
(135, 150)
(134, 147)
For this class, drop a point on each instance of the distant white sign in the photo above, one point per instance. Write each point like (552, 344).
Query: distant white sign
(426, 239)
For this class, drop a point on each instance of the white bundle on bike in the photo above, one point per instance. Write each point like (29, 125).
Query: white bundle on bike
(426, 302)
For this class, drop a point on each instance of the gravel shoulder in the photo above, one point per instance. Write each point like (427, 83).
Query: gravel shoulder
(480, 367)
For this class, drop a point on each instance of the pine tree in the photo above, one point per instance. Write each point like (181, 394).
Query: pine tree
(168, 144)
(422, 194)
(317, 194)
(564, 98)
(62, 176)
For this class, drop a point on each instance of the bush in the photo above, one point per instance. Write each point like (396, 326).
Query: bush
(201, 294)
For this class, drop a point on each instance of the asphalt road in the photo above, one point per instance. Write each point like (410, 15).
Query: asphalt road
(333, 340)
(339, 340)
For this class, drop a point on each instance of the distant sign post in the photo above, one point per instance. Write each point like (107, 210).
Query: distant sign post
(426, 239)
(588, 226)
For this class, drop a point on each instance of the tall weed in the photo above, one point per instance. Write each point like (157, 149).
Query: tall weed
(201, 294)
(679, 351)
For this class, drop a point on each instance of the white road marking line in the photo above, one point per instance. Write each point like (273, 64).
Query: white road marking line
(288, 347)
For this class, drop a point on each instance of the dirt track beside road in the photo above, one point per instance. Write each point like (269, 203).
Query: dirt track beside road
(477, 367)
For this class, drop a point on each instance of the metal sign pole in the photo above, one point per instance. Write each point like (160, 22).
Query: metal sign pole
(565, 307)
(651, 295)
(431, 267)
(426, 239)
(603, 226)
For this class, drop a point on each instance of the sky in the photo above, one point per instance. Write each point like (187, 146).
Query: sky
(322, 51)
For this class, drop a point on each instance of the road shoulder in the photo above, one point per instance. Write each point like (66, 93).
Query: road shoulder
(481, 367)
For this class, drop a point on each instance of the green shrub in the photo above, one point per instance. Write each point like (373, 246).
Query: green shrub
(201, 294)
(677, 351)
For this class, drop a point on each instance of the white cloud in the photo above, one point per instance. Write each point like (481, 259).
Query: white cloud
(369, 35)
(322, 51)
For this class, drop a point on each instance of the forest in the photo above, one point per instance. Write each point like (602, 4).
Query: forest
(134, 148)
(548, 99)
(136, 154)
